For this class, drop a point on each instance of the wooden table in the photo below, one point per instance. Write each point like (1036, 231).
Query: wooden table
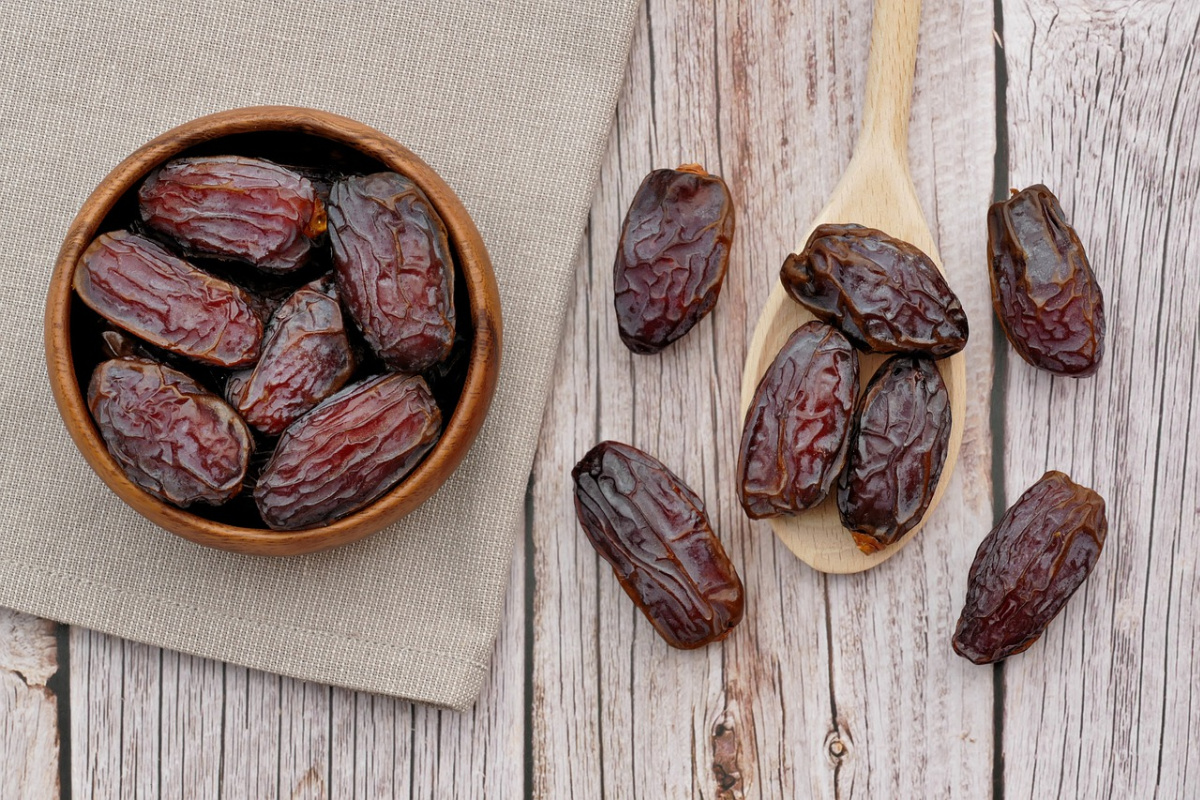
(833, 686)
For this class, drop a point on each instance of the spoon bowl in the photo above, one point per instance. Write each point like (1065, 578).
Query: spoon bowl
(877, 191)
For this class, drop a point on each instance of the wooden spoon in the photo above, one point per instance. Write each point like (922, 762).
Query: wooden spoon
(876, 190)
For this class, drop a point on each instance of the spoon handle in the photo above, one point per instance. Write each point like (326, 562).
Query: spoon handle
(890, 71)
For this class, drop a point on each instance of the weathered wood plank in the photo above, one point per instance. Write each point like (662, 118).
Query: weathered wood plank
(153, 723)
(1103, 107)
(767, 94)
(29, 734)
(915, 718)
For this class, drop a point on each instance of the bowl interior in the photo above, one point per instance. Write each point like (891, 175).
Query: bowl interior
(322, 147)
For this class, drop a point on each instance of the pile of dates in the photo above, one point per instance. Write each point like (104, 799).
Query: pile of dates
(809, 426)
(270, 334)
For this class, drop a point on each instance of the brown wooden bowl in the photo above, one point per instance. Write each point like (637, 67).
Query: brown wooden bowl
(303, 137)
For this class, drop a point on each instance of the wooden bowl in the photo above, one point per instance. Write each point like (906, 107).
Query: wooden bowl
(305, 138)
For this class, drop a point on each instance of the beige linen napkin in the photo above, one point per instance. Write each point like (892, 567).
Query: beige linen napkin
(510, 100)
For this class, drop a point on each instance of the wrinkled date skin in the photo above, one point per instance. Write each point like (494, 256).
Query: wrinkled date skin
(897, 450)
(171, 436)
(394, 268)
(883, 293)
(348, 451)
(797, 427)
(306, 357)
(672, 257)
(655, 533)
(1028, 567)
(138, 286)
(1043, 289)
(235, 207)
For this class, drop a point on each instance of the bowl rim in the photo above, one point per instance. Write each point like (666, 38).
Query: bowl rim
(474, 266)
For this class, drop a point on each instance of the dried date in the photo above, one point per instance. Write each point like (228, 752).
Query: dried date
(898, 447)
(1043, 290)
(234, 207)
(653, 530)
(883, 293)
(306, 357)
(394, 268)
(796, 433)
(348, 451)
(171, 436)
(138, 286)
(1028, 567)
(672, 257)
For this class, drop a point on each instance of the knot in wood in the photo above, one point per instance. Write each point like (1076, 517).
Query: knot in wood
(837, 745)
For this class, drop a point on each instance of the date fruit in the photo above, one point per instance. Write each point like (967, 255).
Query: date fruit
(235, 207)
(1043, 289)
(883, 293)
(897, 450)
(655, 533)
(672, 257)
(798, 424)
(1028, 567)
(394, 268)
(170, 435)
(138, 286)
(348, 451)
(306, 357)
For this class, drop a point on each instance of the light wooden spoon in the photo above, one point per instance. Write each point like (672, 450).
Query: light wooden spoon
(876, 190)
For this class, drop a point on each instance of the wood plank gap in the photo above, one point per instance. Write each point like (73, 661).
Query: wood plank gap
(530, 591)
(221, 754)
(833, 709)
(998, 419)
(59, 685)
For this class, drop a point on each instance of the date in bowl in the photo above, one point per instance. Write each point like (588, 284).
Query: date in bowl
(313, 143)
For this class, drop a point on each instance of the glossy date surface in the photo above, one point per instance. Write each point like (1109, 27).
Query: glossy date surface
(654, 532)
(394, 268)
(883, 293)
(235, 207)
(672, 256)
(171, 436)
(138, 286)
(306, 357)
(797, 427)
(898, 447)
(1043, 289)
(348, 451)
(1028, 567)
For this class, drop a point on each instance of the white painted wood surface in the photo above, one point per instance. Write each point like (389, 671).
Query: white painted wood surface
(28, 710)
(1104, 103)
(839, 686)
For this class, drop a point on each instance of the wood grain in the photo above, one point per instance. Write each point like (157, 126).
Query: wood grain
(834, 686)
(28, 710)
(831, 687)
(877, 191)
(148, 722)
(1103, 108)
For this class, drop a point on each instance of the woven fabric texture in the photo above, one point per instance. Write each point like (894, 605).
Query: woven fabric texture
(509, 100)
